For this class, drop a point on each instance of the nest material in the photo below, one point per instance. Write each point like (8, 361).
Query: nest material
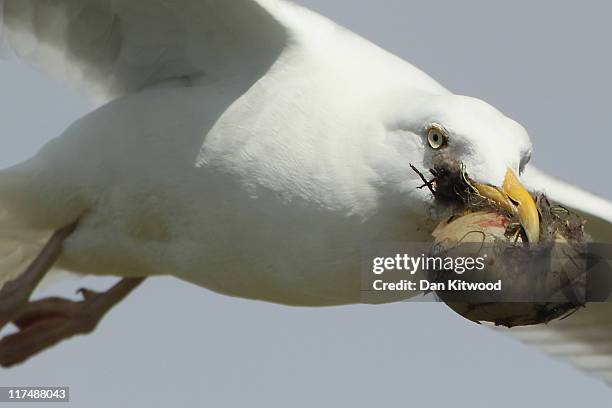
(454, 190)
(541, 283)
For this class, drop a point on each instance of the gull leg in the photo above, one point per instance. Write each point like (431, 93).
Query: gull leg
(15, 294)
(46, 322)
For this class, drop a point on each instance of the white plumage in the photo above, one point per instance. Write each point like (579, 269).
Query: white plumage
(250, 147)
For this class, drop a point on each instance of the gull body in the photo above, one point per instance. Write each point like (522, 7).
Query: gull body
(267, 188)
(251, 147)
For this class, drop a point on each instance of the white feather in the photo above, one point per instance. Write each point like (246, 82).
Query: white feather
(112, 47)
(596, 210)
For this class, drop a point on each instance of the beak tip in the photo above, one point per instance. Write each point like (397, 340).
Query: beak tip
(533, 234)
(526, 207)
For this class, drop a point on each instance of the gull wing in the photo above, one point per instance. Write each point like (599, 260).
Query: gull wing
(585, 337)
(596, 210)
(113, 47)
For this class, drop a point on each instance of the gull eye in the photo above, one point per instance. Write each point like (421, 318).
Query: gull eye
(436, 137)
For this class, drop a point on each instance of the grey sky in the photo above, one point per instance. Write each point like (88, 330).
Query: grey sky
(547, 64)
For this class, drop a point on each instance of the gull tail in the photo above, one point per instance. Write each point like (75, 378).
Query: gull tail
(19, 243)
(18, 248)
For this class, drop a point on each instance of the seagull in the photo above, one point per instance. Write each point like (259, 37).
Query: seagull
(251, 147)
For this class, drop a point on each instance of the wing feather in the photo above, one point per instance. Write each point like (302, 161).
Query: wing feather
(113, 47)
(596, 210)
(585, 337)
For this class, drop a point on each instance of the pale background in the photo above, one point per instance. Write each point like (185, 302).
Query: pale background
(546, 64)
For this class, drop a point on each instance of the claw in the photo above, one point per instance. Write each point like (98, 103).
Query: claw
(87, 293)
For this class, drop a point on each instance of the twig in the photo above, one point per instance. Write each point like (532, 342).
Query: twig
(428, 184)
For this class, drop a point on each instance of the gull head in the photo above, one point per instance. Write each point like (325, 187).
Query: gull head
(430, 131)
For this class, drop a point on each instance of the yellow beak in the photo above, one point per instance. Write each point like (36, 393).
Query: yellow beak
(515, 199)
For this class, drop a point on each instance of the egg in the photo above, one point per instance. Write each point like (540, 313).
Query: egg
(519, 283)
